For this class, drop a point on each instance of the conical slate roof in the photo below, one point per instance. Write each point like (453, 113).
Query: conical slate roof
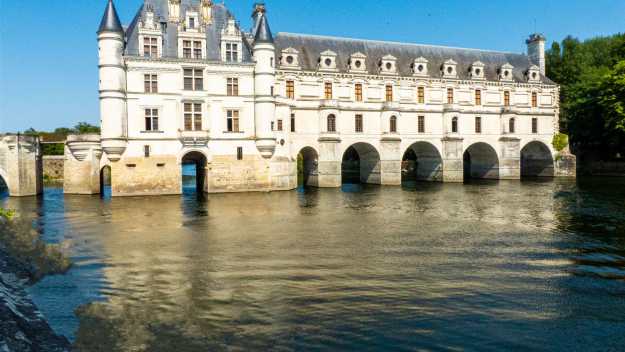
(110, 20)
(263, 33)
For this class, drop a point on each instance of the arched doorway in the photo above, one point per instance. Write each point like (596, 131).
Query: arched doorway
(308, 167)
(481, 161)
(361, 164)
(194, 172)
(536, 160)
(105, 182)
(422, 162)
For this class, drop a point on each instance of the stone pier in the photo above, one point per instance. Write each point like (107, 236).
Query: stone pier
(21, 165)
(81, 170)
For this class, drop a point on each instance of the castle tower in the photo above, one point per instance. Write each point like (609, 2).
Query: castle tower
(264, 80)
(112, 83)
(536, 50)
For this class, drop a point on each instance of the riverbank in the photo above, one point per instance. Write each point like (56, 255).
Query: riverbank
(25, 259)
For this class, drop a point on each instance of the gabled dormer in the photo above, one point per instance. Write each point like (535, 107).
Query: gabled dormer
(448, 69)
(476, 71)
(358, 63)
(192, 21)
(327, 61)
(150, 34)
(290, 58)
(231, 42)
(388, 65)
(533, 74)
(505, 72)
(420, 67)
(173, 8)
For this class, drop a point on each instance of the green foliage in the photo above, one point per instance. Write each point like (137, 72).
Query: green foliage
(7, 214)
(592, 79)
(560, 141)
(85, 128)
(53, 149)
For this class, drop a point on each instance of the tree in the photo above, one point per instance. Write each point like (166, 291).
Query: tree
(85, 128)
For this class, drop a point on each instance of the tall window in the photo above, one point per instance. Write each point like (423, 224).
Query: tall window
(150, 82)
(478, 97)
(331, 123)
(454, 125)
(358, 123)
(389, 92)
(421, 95)
(197, 50)
(534, 99)
(191, 22)
(450, 95)
(393, 124)
(506, 98)
(151, 119)
(534, 125)
(193, 79)
(511, 125)
(232, 52)
(232, 87)
(239, 153)
(232, 117)
(478, 124)
(292, 122)
(192, 116)
(358, 91)
(328, 90)
(280, 125)
(186, 49)
(421, 124)
(146, 151)
(150, 47)
(290, 89)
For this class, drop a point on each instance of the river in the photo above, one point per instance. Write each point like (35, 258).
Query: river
(485, 266)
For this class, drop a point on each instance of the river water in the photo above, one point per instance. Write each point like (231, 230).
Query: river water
(488, 266)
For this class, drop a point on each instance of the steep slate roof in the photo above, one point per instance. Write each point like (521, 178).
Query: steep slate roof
(311, 46)
(220, 16)
(110, 20)
(263, 33)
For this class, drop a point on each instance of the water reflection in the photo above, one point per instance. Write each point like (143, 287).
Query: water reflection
(480, 266)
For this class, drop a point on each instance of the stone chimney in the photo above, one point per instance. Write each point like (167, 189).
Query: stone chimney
(536, 50)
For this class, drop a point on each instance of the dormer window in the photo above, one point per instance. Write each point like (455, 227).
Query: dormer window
(150, 35)
(420, 67)
(388, 65)
(449, 69)
(191, 21)
(327, 61)
(290, 58)
(505, 72)
(357, 62)
(533, 74)
(231, 42)
(232, 52)
(477, 70)
(150, 47)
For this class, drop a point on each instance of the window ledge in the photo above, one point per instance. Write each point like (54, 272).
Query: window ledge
(146, 132)
(231, 132)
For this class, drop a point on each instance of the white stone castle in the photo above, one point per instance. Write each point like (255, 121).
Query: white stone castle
(184, 83)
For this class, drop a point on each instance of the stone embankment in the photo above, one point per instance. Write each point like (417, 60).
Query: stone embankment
(22, 262)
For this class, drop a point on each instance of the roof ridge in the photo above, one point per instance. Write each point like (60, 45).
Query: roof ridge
(395, 43)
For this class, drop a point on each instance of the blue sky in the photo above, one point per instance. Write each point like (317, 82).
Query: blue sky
(48, 49)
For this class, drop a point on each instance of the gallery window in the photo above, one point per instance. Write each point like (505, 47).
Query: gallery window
(534, 99)
(450, 95)
(421, 95)
(358, 123)
(511, 125)
(232, 120)
(506, 98)
(290, 89)
(421, 124)
(389, 92)
(454, 125)
(534, 125)
(192, 116)
(151, 119)
(331, 123)
(478, 124)
(292, 122)
(328, 90)
(358, 91)
(393, 124)
(478, 97)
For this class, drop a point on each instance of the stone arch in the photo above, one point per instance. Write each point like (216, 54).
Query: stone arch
(361, 164)
(4, 184)
(308, 167)
(200, 161)
(480, 160)
(537, 160)
(422, 162)
(106, 181)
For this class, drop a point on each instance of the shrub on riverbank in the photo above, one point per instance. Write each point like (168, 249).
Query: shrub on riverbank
(33, 257)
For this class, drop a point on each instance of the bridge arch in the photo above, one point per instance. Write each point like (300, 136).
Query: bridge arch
(106, 181)
(196, 176)
(308, 167)
(4, 183)
(422, 162)
(361, 164)
(537, 160)
(480, 160)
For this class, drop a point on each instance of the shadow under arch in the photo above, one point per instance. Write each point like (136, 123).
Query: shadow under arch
(308, 167)
(106, 179)
(536, 160)
(480, 161)
(422, 162)
(193, 165)
(361, 164)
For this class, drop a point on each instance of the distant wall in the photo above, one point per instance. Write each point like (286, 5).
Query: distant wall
(53, 166)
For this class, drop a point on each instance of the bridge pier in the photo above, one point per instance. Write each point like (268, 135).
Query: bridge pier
(329, 170)
(390, 155)
(21, 164)
(82, 164)
(510, 161)
(453, 167)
